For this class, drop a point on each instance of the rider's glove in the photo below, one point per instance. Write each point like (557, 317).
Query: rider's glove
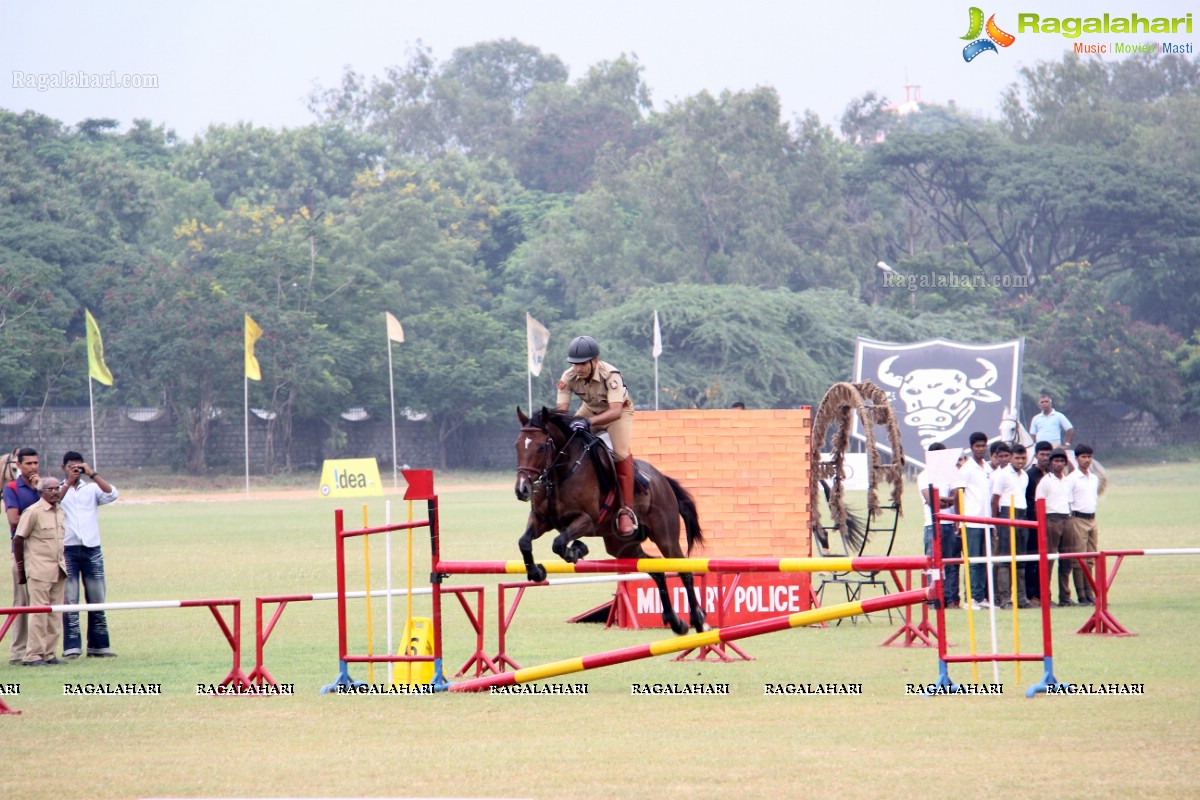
(580, 424)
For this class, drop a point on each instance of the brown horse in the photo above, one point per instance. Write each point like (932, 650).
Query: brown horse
(566, 476)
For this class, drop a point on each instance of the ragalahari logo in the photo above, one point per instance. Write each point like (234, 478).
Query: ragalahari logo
(995, 36)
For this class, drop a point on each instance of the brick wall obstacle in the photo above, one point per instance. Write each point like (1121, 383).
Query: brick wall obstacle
(749, 474)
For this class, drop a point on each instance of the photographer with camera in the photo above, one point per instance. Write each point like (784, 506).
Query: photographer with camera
(85, 491)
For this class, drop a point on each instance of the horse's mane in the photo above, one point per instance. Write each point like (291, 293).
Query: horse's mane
(545, 417)
(551, 417)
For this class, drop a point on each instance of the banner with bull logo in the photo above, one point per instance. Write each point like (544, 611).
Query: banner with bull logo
(942, 391)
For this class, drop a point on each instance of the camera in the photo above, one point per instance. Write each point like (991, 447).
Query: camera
(78, 470)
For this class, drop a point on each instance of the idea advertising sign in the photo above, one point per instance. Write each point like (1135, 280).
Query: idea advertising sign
(350, 477)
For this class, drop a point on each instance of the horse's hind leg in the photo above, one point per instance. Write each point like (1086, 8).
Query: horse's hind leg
(695, 602)
(567, 545)
(668, 611)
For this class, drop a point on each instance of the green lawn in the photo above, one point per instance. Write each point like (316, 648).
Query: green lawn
(606, 743)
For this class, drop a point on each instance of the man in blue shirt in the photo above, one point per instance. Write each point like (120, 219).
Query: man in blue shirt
(19, 495)
(1050, 425)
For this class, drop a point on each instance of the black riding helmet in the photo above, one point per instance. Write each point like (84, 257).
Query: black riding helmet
(582, 350)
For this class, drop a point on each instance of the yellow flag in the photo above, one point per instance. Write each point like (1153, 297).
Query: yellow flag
(394, 331)
(253, 332)
(97, 369)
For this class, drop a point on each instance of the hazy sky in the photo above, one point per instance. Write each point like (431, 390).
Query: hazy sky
(219, 61)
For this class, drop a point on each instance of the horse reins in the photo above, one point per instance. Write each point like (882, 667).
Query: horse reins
(544, 477)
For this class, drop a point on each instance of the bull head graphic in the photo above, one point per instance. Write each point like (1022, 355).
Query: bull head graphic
(938, 402)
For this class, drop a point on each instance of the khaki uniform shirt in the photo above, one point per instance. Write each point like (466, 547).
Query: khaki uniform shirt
(42, 527)
(606, 386)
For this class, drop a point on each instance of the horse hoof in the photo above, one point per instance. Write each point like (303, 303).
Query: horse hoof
(536, 573)
(576, 551)
(679, 626)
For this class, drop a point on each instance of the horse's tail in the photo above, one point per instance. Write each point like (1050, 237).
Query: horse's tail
(855, 535)
(687, 510)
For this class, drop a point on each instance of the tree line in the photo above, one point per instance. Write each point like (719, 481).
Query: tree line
(459, 195)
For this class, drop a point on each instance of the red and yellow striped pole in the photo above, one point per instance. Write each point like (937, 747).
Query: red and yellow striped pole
(1012, 582)
(708, 638)
(694, 565)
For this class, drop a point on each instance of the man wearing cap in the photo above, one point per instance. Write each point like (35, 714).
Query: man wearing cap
(38, 552)
(1055, 489)
(606, 406)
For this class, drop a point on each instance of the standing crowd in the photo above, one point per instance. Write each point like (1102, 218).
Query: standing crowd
(54, 535)
(997, 482)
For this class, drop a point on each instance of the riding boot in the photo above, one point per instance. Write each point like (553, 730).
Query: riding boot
(626, 521)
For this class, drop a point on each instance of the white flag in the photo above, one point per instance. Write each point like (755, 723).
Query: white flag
(657, 336)
(538, 339)
(395, 331)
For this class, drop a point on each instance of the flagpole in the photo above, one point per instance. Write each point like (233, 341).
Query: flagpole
(392, 390)
(656, 351)
(92, 410)
(656, 383)
(246, 419)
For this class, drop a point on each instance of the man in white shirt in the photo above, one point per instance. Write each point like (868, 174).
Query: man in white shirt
(1085, 494)
(1008, 500)
(1055, 489)
(85, 492)
(975, 483)
(950, 544)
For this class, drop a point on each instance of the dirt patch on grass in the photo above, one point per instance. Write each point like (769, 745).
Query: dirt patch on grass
(136, 496)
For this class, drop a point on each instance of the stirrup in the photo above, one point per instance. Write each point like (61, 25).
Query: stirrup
(626, 510)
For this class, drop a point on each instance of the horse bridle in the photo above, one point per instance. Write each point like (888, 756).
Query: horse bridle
(544, 477)
(535, 476)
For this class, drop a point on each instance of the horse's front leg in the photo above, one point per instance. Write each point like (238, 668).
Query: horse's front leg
(534, 572)
(695, 603)
(567, 545)
(669, 617)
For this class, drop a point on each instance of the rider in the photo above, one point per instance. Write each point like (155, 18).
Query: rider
(606, 406)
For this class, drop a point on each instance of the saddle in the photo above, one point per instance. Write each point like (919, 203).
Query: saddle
(599, 447)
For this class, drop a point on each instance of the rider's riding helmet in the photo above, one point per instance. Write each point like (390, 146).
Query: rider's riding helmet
(582, 350)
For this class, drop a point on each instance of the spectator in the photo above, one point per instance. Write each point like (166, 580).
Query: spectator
(738, 405)
(951, 546)
(85, 492)
(1055, 489)
(1033, 570)
(1085, 494)
(38, 552)
(994, 455)
(974, 483)
(20, 493)
(1008, 500)
(1050, 425)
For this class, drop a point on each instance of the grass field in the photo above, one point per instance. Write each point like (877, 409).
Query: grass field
(606, 743)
